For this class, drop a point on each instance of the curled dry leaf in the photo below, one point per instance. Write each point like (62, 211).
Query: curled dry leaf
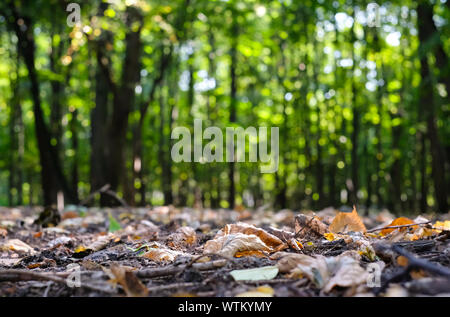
(184, 236)
(158, 253)
(3, 232)
(230, 244)
(348, 273)
(100, 243)
(17, 245)
(242, 237)
(132, 286)
(302, 265)
(325, 272)
(347, 221)
(270, 240)
(307, 226)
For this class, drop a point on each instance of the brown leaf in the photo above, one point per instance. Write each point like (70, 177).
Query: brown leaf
(184, 236)
(162, 254)
(349, 273)
(230, 244)
(242, 237)
(347, 221)
(17, 246)
(305, 226)
(132, 286)
(270, 240)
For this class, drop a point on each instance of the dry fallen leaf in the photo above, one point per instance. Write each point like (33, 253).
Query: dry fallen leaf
(230, 244)
(261, 291)
(325, 272)
(17, 246)
(442, 225)
(255, 253)
(240, 238)
(302, 265)
(132, 286)
(349, 273)
(3, 232)
(162, 255)
(398, 222)
(347, 221)
(270, 240)
(184, 236)
(305, 226)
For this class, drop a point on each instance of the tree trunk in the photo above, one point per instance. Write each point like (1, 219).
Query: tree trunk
(52, 178)
(426, 97)
(233, 102)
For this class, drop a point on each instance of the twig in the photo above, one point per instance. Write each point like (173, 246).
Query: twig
(104, 190)
(413, 263)
(92, 195)
(172, 270)
(194, 260)
(21, 275)
(171, 286)
(418, 263)
(400, 226)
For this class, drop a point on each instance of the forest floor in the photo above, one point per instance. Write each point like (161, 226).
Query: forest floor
(168, 251)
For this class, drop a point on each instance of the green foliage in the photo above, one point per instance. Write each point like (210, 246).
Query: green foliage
(308, 67)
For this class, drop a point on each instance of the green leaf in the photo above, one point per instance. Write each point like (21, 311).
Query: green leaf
(113, 224)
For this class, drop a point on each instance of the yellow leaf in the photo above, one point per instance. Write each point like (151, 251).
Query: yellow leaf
(329, 236)
(262, 291)
(442, 225)
(79, 249)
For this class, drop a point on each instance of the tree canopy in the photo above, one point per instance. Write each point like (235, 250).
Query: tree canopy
(359, 91)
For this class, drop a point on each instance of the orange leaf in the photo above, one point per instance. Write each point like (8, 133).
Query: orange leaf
(398, 222)
(402, 261)
(347, 221)
(255, 253)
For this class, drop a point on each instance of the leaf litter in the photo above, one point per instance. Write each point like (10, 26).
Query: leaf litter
(169, 251)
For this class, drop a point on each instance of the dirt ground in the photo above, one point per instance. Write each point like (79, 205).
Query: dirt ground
(168, 251)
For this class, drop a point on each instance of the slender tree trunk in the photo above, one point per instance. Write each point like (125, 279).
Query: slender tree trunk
(124, 98)
(52, 178)
(75, 162)
(424, 10)
(356, 127)
(233, 102)
(99, 122)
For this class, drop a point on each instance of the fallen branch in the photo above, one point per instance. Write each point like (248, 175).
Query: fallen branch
(418, 263)
(171, 286)
(400, 226)
(104, 190)
(414, 263)
(172, 270)
(21, 275)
